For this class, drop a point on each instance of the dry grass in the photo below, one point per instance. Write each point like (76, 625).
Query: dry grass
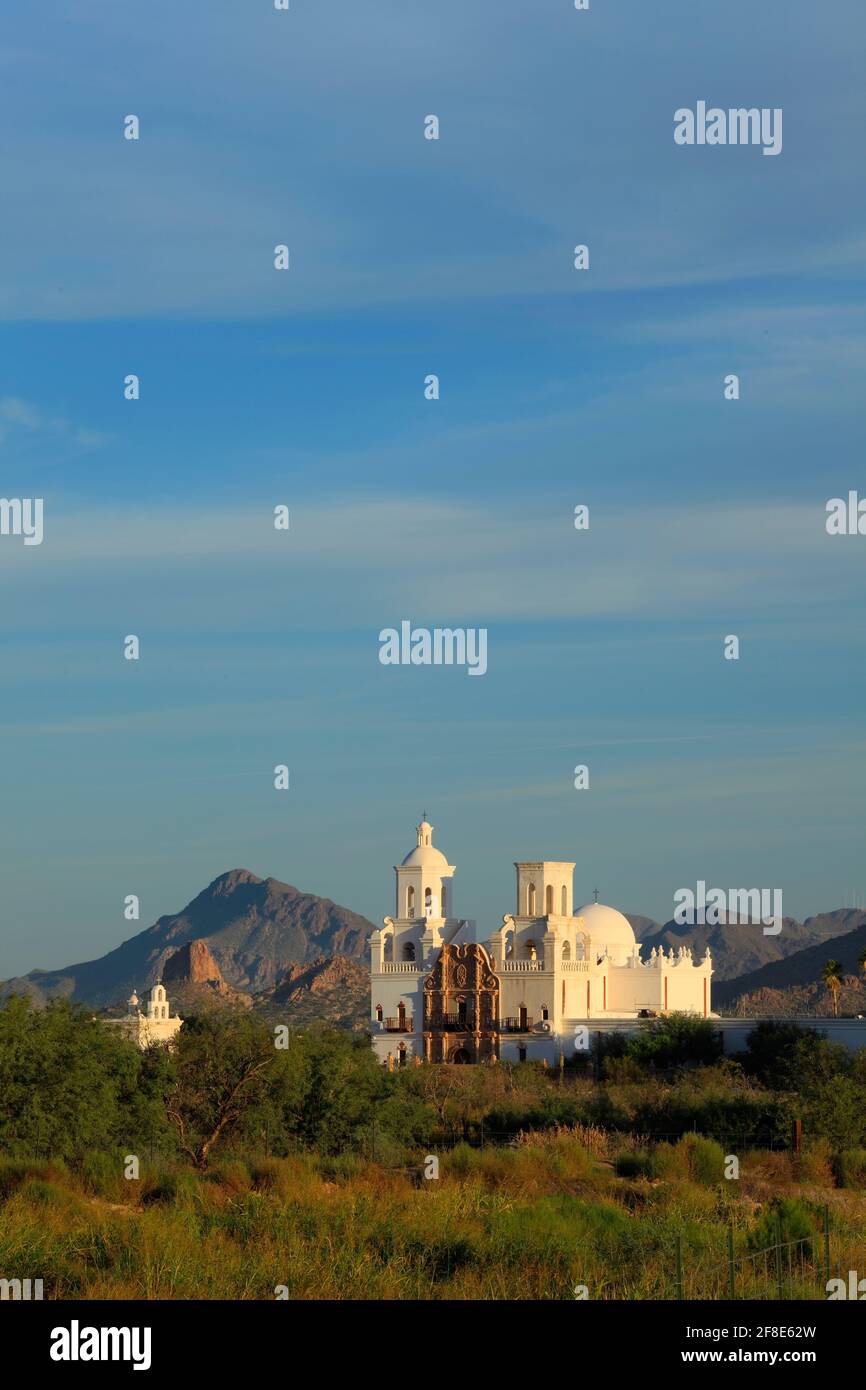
(529, 1221)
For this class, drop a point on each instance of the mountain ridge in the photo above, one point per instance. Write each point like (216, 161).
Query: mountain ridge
(801, 971)
(257, 936)
(255, 929)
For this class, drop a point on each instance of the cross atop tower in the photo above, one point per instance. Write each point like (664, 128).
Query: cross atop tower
(595, 895)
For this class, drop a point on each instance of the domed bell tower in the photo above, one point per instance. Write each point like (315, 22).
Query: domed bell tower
(424, 912)
(424, 880)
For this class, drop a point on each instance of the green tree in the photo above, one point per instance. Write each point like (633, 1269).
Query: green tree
(329, 1089)
(675, 1040)
(64, 1080)
(780, 1054)
(222, 1065)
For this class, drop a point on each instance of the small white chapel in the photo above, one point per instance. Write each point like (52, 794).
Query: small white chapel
(155, 1024)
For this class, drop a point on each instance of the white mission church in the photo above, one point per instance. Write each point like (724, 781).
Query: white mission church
(442, 993)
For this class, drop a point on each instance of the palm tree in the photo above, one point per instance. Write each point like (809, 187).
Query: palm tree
(832, 977)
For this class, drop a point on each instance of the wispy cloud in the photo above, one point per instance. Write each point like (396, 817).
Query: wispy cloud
(22, 418)
(336, 566)
(227, 166)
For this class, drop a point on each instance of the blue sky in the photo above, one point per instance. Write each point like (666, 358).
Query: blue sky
(557, 388)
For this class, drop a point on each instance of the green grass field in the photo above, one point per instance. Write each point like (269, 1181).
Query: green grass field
(532, 1220)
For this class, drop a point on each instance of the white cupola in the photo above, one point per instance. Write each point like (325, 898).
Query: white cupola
(424, 880)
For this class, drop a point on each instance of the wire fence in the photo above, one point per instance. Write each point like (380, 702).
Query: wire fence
(798, 1268)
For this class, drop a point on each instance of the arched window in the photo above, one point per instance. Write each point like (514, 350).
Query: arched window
(566, 950)
(410, 901)
(544, 1013)
(388, 947)
(428, 900)
(379, 1013)
(531, 953)
(564, 908)
(548, 900)
(444, 913)
(530, 900)
(408, 950)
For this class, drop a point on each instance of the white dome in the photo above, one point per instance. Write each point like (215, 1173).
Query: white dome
(425, 852)
(427, 855)
(606, 927)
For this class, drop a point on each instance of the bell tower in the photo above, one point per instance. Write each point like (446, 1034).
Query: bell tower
(424, 889)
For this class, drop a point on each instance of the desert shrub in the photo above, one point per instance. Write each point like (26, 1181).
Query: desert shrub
(633, 1163)
(101, 1173)
(462, 1161)
(795, 1217)
(342, 1167)
(170, 1185)
(814, 1164)
(231, 1173)
(850, 1168)
(784, 1055)
(51, 1196)
(622, 1070)
(14, 1172)
(670, 1162)
(835, 1109)
(705, 1158)
(731, 1119)
(676, 1040)
(160, 1187)
(767, 1166)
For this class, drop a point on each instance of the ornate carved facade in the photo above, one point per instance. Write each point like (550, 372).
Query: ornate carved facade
(461, 1006)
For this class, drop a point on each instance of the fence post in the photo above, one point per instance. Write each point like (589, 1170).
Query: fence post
(731, 1285)
(826, 1244)
(779, 1285)
(679, 1266)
